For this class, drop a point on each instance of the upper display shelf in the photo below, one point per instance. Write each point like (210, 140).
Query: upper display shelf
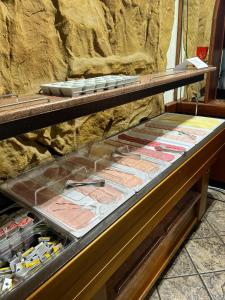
(38, 111)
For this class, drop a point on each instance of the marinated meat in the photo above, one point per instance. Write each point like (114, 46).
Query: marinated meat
(69, 213)
(26, 190)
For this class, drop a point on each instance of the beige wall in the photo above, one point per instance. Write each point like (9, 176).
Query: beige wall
(50, 40)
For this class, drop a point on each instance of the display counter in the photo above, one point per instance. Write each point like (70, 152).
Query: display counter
(121, 248)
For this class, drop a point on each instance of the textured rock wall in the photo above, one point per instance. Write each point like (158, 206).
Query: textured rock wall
(49, 40)
(198, 30)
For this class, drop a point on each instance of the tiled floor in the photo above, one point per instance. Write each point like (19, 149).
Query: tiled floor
(198, 271)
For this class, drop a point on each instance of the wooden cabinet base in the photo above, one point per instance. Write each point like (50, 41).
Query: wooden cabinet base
(138, 274)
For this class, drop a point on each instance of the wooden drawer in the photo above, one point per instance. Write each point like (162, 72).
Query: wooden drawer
(139, 273)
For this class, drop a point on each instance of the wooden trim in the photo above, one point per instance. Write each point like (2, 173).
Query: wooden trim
(215, 49)
(15, 122)
(171, 107)
(211, 109)
(179, 37)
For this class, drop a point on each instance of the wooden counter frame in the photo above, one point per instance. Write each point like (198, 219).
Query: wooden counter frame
(84, 275)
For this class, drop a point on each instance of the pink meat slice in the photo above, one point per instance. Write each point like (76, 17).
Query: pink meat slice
(148, 142)
(139, 164)
(26, 190)
(154, 154)
(182, 138)
(68, 212)
(196, 132)
(128, 180)
(105, 195)
(145, 152)
(55, 173)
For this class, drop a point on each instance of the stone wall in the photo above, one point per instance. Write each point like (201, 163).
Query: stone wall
(198, 31)
(49, 40)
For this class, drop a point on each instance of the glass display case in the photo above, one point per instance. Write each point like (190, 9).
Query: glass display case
(74, 199)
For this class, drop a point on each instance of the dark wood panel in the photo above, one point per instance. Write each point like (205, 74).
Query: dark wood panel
(217, 171)
(215, 49)
(179, 37)
(210, 109)
(31, 121)
(140, 271)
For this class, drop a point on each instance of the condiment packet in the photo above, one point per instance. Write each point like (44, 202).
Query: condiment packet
(6, 270)
(7, 284)
(44, 239)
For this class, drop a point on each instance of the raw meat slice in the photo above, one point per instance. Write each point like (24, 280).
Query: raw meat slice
(139, 164)
(69, 213)
(194, 132)
(166, 135)
(148, 142)
(144, 151)
(154, 154)
(105, 195)
(126, 179)
(26, 190)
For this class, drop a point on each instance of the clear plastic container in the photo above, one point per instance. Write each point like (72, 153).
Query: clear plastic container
(40, 184)
(25, 258)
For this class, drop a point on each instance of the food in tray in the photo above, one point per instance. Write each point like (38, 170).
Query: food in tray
(189, 121)
(55, 173)
(146, 153)
(15, 220)
(150, 143)
(66, 211)
(136, 163)
(76, 160)
(27, 257)
(120, 155)
(120, 177)
(104, 194)
(168, 135)
(182, 129)
(32, 192)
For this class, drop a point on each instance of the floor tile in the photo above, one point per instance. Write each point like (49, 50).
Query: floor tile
(183, 288)
(204, 230)
(181, 266)
(223, 238)
(216, 194)
(217, 205)
(153, 295)
(215, 283)
(207, 254)
(217, 220)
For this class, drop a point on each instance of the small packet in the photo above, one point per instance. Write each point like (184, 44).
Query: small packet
(7, 284)
(44, 239)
